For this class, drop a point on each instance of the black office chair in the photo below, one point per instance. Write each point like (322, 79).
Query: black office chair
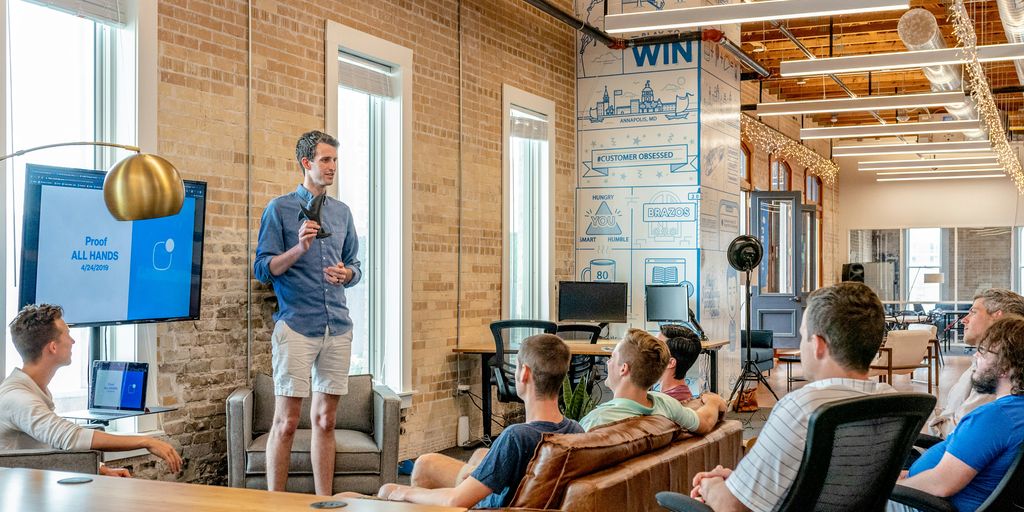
(1008, 495)
(854, 453)
(580, 367)
(507, 332)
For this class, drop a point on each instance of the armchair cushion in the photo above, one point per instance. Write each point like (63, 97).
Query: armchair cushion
(78, 461)
(356, 453)
(355, 409)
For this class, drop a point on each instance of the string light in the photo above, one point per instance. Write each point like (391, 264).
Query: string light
(778, 145)
(963, 29)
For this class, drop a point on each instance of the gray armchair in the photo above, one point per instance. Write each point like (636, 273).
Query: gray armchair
(79, 461)
(366, 435)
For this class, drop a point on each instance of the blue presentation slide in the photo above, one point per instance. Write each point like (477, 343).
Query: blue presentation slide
(102, 270)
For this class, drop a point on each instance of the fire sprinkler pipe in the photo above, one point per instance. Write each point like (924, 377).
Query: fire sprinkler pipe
(710, 35)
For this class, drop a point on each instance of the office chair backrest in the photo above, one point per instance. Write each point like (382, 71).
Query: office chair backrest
(507, 335)
(1009, 494)
(855, 450)
(758, 339)
(579, 366)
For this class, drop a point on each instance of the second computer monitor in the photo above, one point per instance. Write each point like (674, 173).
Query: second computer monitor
(584, 301)
(667, 303)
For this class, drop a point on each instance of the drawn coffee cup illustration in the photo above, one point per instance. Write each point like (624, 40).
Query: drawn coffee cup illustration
(599, 270)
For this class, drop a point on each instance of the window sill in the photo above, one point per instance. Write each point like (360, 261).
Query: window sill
(116, 456)
(406, 398)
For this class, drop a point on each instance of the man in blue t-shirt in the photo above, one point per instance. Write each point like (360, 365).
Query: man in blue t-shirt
(541, 366)
(969, 464)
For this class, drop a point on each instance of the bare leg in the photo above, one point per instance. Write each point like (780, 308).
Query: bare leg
(322, 415)
(279, 445)
(436, 471)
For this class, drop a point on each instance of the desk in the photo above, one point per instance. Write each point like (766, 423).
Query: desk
(600, 349)
(38, 491)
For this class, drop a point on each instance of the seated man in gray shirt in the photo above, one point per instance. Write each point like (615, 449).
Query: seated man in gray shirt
(27, 417)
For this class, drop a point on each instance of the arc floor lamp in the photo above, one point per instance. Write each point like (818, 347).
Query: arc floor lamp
(142, 186)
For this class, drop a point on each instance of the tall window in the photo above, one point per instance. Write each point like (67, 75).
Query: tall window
(813, 195)
(528, 161)
(781, 175)
(70, 77)
(924, 258)
(746, 161)
(369, 108)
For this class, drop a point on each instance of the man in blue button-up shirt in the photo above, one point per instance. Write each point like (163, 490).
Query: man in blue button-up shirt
(312, 330)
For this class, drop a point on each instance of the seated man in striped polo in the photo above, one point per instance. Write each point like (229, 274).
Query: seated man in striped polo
(841, 332)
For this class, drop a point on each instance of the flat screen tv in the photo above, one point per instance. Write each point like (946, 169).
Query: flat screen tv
(584, 301)
(103, 271)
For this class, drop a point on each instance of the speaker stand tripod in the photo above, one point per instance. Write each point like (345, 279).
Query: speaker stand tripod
(750, 372)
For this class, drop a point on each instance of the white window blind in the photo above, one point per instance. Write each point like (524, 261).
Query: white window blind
(364, 75)
(111, 12)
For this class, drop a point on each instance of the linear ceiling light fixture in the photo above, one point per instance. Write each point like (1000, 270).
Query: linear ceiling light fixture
(939, 171)
(933, 99)
(923, 148)
(929, 163)
(897, 60)
(742, 13)
(923, 178)
(846, 132)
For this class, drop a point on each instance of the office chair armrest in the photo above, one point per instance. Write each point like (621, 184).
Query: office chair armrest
(927, 441)
(680, 502)
(920, 500)
(239, 433)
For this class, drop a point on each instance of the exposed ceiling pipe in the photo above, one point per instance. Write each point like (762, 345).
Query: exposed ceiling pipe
(919, 30)
(1011, 12)
(619, 44)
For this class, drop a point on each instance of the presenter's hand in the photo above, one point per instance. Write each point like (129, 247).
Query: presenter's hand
(338, 274)
(165, 452)
(118, 472)
(307, 233)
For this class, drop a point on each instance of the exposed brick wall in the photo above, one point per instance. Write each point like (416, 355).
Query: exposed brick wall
(202, 129)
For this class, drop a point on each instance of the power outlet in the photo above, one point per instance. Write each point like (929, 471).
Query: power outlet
(462, 389)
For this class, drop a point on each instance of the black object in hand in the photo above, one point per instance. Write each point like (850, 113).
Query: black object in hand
(312, 212)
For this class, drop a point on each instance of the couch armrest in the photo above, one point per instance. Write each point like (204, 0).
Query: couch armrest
(78, 461)
(239, 433)
(920, 500)
(386, 426)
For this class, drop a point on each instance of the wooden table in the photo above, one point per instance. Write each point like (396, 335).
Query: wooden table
(38, 491)
(602, 348)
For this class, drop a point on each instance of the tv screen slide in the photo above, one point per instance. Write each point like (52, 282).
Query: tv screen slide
(103, 271)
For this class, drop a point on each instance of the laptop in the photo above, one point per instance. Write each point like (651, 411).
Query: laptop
(117, 389)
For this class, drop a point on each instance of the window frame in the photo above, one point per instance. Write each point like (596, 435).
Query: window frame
(139, 83)
(780, 164)
(746, 180)
(392, 313)
(510, 97)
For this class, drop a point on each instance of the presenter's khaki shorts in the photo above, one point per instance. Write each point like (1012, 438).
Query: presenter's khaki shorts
(295, 356)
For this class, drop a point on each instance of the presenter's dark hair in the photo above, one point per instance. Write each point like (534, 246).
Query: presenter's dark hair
(548, 358)
(306, 146)
(850, 318)
(33, 328)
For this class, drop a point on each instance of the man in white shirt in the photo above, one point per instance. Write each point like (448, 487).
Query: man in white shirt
(27, 417)
(989, 306)
(841, 332)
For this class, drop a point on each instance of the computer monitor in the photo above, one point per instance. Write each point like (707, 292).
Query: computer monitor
(667, 303)
(583, 301)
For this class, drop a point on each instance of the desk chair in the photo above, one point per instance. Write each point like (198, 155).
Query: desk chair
(854, 452)
(580, 367)
(1008, 495)
(506, 333)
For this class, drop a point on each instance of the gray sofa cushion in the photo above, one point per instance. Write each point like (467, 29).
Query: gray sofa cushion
(355, 410)
(356, 453)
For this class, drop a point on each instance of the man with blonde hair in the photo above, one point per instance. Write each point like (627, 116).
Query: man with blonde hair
(636, 364)
(989, 306)
(541, 365)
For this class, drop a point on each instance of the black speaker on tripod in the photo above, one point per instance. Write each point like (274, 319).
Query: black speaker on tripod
(853, 272)
(744, 254)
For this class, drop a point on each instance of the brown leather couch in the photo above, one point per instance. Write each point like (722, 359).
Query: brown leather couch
(622, 465)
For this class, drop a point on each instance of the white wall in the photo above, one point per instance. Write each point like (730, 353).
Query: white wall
(867, 204)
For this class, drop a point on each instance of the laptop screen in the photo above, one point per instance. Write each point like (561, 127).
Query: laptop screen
(118, 385)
